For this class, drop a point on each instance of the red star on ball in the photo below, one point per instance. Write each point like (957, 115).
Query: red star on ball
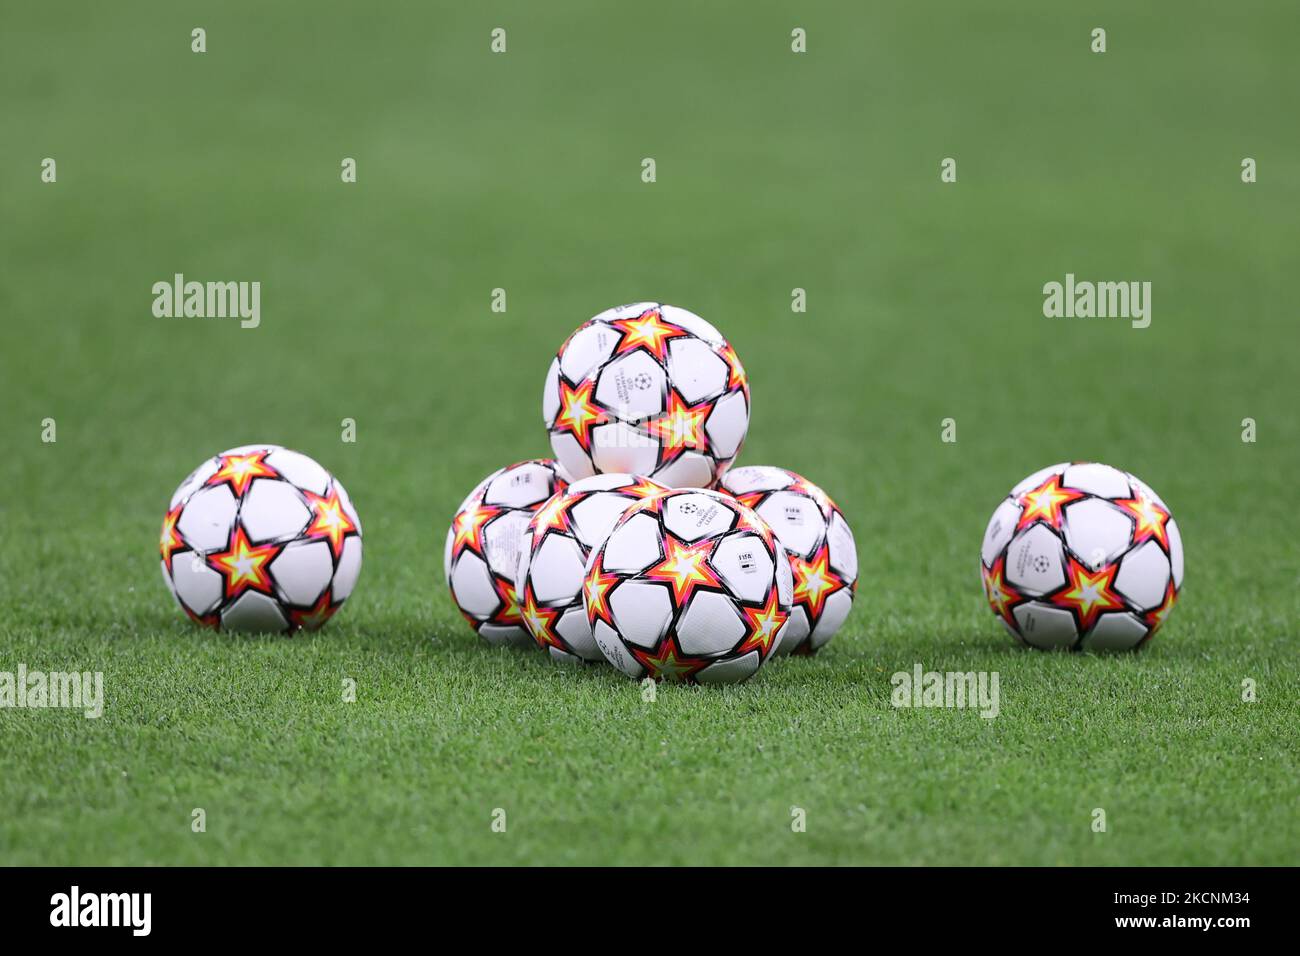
(647, 331)
(329, 520)
(1002, 597)
(578, 412)
(737, 380)
(244, 566)
(1149, 519)
(668, 663)
(685, 567)
(680, 426)
(170, 541)
(314, 617)
(468, 528)
(1156, 616)
(540, 621)
(814, 581)
(1088, 593)
(238, 471)
(762, 625)
(1045, 503)
(596, 591)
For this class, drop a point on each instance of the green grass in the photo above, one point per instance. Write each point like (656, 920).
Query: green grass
(521, 171)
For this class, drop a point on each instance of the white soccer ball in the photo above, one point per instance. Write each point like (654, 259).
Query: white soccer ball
(260, 538)
(818, 542)
(1082, 556)
(557, 542)
(689, 586)
(647, 389)
(484, 542)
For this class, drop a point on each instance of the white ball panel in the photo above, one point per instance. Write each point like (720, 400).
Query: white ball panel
(1175, 551)
(632, 386)
(689, 470)
(1143, 576)
(570, 455)
(727, 425)
(586, 349)
(618, 446)
(731, 671)
(556, 570)
(1045, 626)
(843, 549)
(472, 587)
(744, 565)
(253, 611)
(834, 613)
(522, 486)
(796, 520)
(710, 625)
(299, 469)
(197, 585)
(695, 515)
(574, 627)
(642, 612)
(1096, 479)
(1115, 632)
(303, 570)
(999, 531)
(1096, 531)
(551, 394)
(692, 323)
(273, 510)
(741, 481)
(613, 650)
(499, 635)
(594, 517)
(196, 478)
(345, 578)
(634, 545)
(602, 482)
(1035, 561)
(793, 633)
(784, 582)
(446, 554)
(696, 371)
(247, 449)
(503, 541)
(207, 518)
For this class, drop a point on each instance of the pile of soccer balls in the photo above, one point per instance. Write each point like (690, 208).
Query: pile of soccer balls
(640, 545)
(637, 545)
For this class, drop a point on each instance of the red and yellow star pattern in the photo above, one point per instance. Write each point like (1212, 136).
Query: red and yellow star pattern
(762, 626)
(468, 533)
(578, 412)
(1149, 519)
(1088, 593)
(685, 567)
(238, 471)
(314, 618)
(667, 662)
(647, 331)
(1002, 597)
(596, 590)
(170, 541)
(244, 566)
(737, 380)
(680, 426)
(814, 582)
(540, 621)
(1045, 502)
(1156, 616)
(329, 520)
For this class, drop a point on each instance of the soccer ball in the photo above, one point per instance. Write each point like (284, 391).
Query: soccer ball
(260, 538)
(1082, 556)
(689, 586)
(819, 544)
(647, 389)
(557, 543)
(484, 543)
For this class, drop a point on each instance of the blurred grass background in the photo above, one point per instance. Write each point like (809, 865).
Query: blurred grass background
(522, 171)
